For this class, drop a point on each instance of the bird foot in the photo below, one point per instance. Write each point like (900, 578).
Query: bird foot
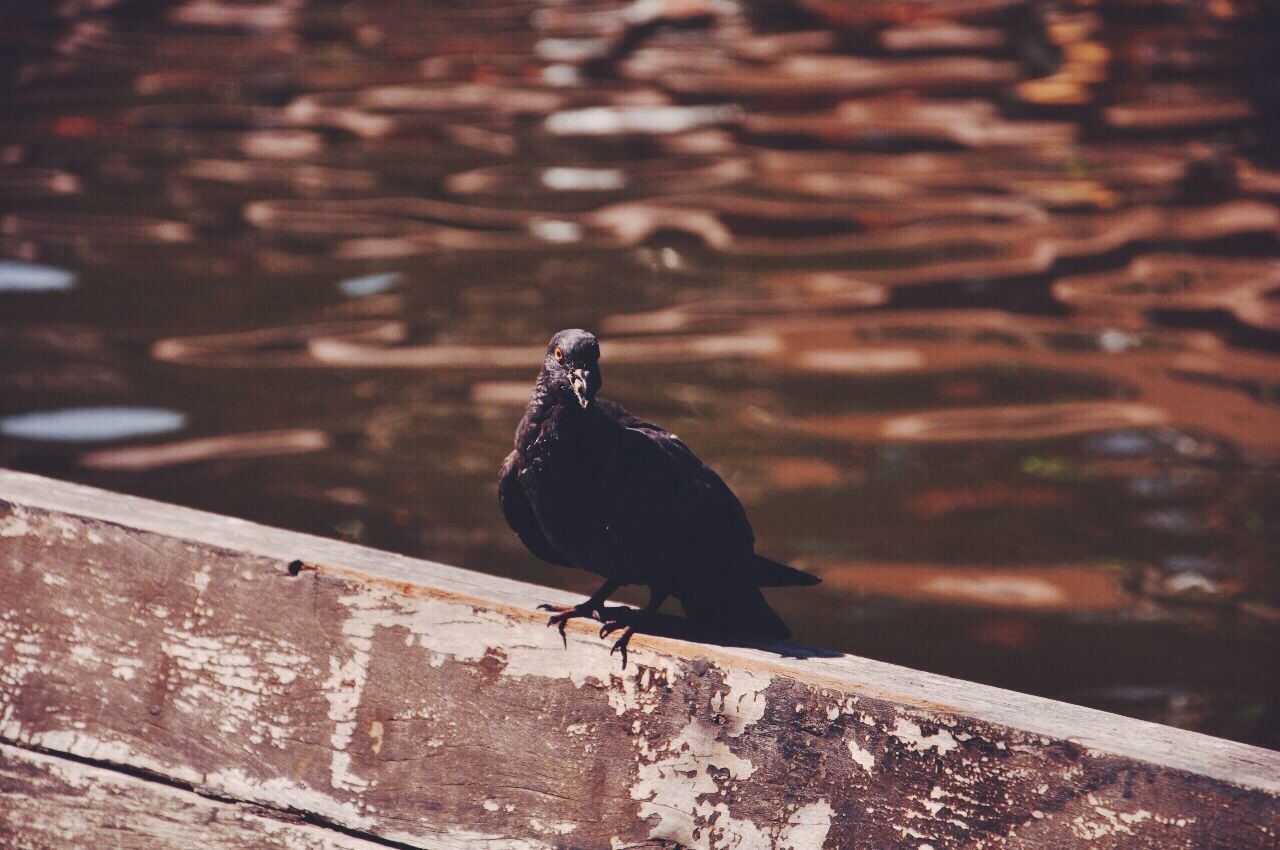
(564, 613)
(626, 620)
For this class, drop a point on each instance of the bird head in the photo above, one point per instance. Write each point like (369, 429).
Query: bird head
(572, 365)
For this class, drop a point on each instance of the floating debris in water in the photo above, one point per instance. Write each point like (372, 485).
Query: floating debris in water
(92, 424)
(369, 284)
(21, 276)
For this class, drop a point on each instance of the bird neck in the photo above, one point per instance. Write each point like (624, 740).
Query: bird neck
(545, 403)
(544, 398)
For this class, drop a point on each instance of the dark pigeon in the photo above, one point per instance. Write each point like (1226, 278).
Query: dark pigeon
(590, 485)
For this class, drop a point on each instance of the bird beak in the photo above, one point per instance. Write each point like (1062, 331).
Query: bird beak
(579, 383)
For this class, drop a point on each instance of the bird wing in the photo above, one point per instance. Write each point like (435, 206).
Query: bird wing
(683, 495)
(688, 532)
(520, 516)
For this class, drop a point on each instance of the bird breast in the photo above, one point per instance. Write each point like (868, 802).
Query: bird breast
(567, 476)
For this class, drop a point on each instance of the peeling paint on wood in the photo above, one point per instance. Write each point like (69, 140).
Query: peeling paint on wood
(425, 705)
(48, 803)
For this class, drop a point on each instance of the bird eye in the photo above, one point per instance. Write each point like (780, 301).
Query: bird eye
(558, 354)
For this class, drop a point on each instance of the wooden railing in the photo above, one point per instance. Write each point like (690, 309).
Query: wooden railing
(170, 678)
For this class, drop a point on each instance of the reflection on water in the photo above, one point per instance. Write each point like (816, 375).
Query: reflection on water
(974, 303)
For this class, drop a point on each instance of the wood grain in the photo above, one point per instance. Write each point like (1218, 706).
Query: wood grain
(428, 706)
(49, 803)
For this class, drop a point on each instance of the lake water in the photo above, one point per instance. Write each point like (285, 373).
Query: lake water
(975, 303)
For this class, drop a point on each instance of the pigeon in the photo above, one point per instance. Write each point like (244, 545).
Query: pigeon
(590, 485)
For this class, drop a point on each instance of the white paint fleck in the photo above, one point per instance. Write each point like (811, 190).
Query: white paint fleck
(85, 655)
(1109, 823)
(743, 703)
(807, 827)
(219, 677)
(909, 832)
(283, 664)
(910, 734)
(861, 757)
(78, 743)
(24, 638)
(676, 778)
(279, 790)
(671, 784)
(200, 579)
(15, 524)
(126, 668)
(343, 690)
(563, 828)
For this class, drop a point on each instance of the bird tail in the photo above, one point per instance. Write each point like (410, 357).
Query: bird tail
(767, 573)
(737, 608)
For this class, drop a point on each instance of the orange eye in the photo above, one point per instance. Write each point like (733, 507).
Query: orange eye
(557, 353)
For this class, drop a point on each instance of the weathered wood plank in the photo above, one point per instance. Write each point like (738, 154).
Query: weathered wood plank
(430, 706)
(48, 803)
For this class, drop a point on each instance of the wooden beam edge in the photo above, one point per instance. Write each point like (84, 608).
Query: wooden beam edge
(1229, 762)
(51, 801)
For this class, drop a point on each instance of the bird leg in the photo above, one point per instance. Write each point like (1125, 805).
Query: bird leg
(628, 619)
(592, 607)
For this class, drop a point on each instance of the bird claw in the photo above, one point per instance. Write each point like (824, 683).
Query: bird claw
(561, 609)
(611, 626)
(564, 613)
(625, 620)
(611, 619)
(620, 645)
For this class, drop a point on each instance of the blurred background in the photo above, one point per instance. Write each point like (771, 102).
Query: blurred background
(975, 303)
